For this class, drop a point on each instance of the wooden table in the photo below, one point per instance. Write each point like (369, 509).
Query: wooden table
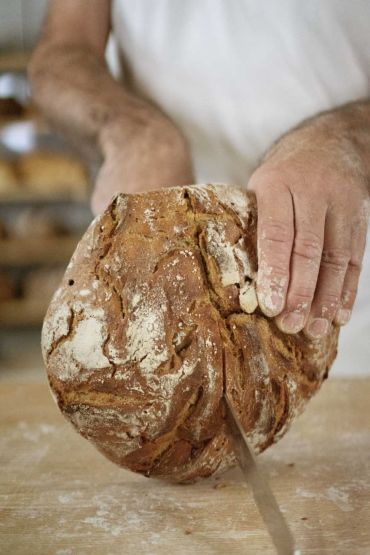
(58, 495)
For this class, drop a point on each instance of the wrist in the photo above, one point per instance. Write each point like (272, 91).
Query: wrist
(335, 139)
(118, 129)
(344, 133)
(139, 122)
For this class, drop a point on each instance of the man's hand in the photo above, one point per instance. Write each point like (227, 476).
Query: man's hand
(145, 152)
(312, 219)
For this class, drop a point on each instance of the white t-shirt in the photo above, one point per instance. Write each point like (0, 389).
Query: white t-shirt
(237, 74)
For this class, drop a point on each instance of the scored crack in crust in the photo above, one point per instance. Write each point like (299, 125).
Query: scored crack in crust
(156, 317)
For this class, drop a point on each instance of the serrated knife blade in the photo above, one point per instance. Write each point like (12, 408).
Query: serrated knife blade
(265, 500)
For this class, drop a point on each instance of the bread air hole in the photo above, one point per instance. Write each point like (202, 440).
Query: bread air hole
(71, 282)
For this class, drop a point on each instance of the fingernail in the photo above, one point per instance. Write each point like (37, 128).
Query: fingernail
(271, 302)
(318, 327)
(292, 323)
(343, 316)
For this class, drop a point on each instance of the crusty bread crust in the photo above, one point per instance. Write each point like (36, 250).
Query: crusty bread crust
(156, 317)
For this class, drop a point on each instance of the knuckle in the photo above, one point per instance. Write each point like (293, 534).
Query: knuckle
(273, 265)
(329, 304)
(308, 245)
(275, 272)
(330, 298)
(336, 259)
(264, 180)
(300, 298)
(279, 277)
(355, 266)
(349, 296)
(276, 232)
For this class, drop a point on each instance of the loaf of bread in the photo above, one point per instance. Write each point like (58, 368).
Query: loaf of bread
(157, 317)
(8, 178)
(51, 173)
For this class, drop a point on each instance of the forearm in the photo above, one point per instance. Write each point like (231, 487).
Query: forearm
(76, 92)
(140, 147)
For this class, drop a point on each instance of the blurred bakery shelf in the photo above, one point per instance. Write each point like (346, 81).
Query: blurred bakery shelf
(27, 197)
(22, 312)
(38, 250)
(14, 61)
(44, 208)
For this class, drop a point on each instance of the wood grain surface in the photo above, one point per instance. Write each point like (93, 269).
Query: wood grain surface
(58, 495)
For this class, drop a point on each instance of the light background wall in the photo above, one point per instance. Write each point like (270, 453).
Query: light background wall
(20, 23)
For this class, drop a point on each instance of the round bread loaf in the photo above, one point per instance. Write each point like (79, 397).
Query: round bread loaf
(156, 317)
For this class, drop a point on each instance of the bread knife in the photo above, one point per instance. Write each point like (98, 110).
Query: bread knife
(267, 505)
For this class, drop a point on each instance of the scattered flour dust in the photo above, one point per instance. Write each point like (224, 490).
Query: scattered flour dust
(242, 255)
(34, 437)
(101, 521)
(201, 193)
(55, 328)
(86, 344)
(145, 343)
(34, 433)
(149, 214)
(234, 198)
(337, 495)
(233, 264)
(145, 334)
(84, 292)
(70, 497)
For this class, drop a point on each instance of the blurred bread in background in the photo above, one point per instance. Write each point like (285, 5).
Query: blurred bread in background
(36, 222)
(49, 172)
(31, 113)
(3, 231)
(8, 177)
(10, 108)
(7, 287)
(43, 206)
